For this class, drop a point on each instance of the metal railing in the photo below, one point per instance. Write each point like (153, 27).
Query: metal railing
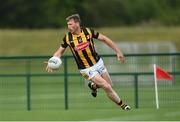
(28, 74)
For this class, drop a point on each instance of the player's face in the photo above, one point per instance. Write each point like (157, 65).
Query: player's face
(72, 26)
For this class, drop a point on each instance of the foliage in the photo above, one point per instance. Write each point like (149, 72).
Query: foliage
(52, 13)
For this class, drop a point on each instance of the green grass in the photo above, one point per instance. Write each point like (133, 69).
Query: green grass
(45, 42)
(47, 101)
(94, 115)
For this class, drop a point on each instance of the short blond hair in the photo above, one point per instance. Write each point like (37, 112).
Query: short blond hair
(75, 17)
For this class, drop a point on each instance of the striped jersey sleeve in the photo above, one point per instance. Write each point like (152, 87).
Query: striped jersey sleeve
(94, 33)
(64, 43)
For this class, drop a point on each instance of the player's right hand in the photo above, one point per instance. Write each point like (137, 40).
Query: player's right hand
(48, 69)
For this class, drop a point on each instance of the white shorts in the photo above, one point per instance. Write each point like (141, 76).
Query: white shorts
(90, 72)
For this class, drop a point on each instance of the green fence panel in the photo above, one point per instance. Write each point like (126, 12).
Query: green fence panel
(25, 85)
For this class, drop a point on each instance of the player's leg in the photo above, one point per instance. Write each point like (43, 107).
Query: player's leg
(94, 87)
(105, 75)
(97, 79)
(88, 74)
(107, 88)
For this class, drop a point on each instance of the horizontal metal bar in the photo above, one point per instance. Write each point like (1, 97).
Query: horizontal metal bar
(78, 74)
(70, 56)
(31, 75)
(141, 73)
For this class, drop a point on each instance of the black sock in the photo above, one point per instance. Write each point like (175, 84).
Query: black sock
(120, 103)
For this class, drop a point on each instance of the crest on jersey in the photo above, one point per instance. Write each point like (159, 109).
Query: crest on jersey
(79, 39)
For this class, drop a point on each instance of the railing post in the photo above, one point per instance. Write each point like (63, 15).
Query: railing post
(65, 83)
(174, 69)
(28, 87)
(136, 90)
(28, 84)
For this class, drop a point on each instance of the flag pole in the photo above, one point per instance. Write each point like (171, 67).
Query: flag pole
(156, 89)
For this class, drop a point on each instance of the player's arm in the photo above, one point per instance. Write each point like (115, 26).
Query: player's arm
(58, 53)
(111, 44)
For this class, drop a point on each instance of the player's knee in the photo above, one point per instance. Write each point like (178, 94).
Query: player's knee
(107, 86)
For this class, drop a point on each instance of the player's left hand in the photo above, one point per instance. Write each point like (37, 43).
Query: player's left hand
(121, 58)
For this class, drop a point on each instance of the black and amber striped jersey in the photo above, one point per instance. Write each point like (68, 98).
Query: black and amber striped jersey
(82, 47)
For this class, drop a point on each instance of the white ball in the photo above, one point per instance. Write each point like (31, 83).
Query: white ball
(54, 62)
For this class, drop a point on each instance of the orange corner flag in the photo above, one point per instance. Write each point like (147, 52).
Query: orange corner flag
(161, 74)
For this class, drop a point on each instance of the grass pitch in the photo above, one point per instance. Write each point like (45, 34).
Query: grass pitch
(47, 102)
(93, 115)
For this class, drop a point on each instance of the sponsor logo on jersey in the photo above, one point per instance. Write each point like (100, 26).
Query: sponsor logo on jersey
(81, 46)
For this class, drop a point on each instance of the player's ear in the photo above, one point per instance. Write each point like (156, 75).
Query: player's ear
(77, 23)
